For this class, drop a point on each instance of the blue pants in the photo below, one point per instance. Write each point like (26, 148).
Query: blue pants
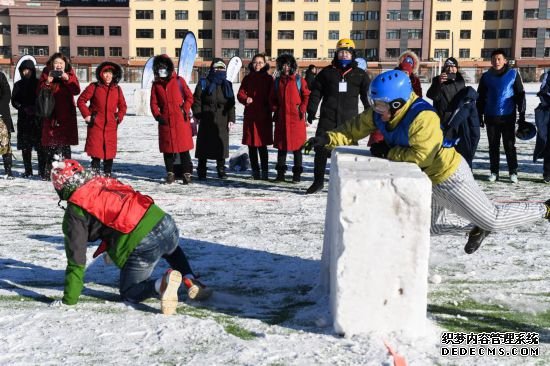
(135, 282)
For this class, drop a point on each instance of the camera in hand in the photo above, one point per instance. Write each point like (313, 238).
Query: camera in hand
(451, 75)
(56, 74)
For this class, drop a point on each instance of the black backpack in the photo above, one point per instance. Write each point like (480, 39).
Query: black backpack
(45, 103)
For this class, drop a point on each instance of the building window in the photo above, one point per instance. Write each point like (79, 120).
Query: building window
(230, 14)
(490, 15)
(372, 34)
(309, 53)
(205, 34)
(205, 15)
(547, 33)
(5, 29)
(251, 34)
(507, 14)
(334, 16)
(285, 51)
(286, 15)
(311, 16)
(465, 34)
(528, 52)
(464, 53)
(144, 14)
(529, 33)
(310, 34)
(331, 52)
(180, 33)
(63, 30)
(443, 15)
(414, 34)
(334, 34)
(163, 33)
(230, 34)
(393, 15)
(489, 34)
(230, 52)
(205, 53)
(547, 52)
(181, 15)
(415, 15)
(357, 1)
(358, 34)
(89, 30)
(466, 15)
(373, 15)
(163, 14)
(530, 13)
(285, 34)
(504, 33)
(145, 51)
(392, 52)
(115, 30)
(32, 29)
(486, 53)
(5, 51)
(441, 53)
(249, 52)
(145, 33)
(252, 14)
(115, 51)
(34, 50)
(358, 16)
(442, 34)
(65, 50)
(393, 34)
(90, 51)
(371, 54)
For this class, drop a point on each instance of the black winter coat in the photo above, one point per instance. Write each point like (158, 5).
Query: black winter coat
(5, 97)
(443, 94)
(214, 112)
(464, 123)
(23, 98)
(338, 107)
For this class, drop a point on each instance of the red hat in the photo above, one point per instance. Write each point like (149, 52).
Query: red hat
(108, 68)
(406, 66)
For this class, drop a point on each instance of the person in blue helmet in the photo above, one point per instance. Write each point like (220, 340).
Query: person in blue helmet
(412, 133)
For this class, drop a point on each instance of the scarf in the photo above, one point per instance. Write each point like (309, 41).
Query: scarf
(219, 78)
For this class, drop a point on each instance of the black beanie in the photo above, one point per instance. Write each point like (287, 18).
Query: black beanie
(451, 61)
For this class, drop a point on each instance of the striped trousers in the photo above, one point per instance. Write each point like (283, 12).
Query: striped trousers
(461, 195)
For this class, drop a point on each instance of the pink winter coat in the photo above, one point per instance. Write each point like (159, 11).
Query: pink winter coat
(173, 103)
(257, 124)
(60, 129)
(290, 107)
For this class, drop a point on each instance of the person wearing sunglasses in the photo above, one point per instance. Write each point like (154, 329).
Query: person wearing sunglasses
(412, 134)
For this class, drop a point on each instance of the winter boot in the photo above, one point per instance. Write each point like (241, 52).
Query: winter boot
(265, 174)
(7, 165)
(256, 174)
(170, 178)
(27, 163)
(317, 186)
(221, 170)
(196, 290)
(169, 286)
(187, 178)
(475, 238)
(201, 169)
(296, 174)
(281, 169)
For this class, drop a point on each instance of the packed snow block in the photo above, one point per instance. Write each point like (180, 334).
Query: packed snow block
(142, 102)
(376, 245)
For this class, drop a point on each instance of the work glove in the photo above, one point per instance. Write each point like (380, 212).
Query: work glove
(317, 141)
(380, 149)
(160, 120)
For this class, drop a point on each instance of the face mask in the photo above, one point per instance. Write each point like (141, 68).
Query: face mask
(344, 63)
(163, 73)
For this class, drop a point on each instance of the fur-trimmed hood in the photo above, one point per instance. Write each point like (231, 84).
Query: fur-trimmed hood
(117, 73)
(287, 59)
(263, 69)
(163, 60)
(415, 58)
(27, 64)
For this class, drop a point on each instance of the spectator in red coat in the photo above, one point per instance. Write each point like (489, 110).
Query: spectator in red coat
(289, 97)
(409, 63)
(257, 125)
(105, 112)
(60, 130)
(171, 102)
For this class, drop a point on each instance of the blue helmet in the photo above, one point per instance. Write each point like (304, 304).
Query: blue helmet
(392, 87)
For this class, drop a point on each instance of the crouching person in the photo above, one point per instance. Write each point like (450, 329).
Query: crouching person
(135, 232)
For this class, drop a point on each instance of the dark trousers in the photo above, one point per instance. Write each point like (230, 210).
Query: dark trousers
(281, 159)
(27, 160)
(253, 153)
(320, 164)
(507, 131)
(107, 165)
(186, 163)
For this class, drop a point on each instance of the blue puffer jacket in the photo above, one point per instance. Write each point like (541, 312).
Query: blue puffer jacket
(464, 123)
(542, 118)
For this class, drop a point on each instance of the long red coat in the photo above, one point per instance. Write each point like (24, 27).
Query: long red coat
(257, 124)
(109, 106)
(289, 105)
(61, 129)
(175, 135)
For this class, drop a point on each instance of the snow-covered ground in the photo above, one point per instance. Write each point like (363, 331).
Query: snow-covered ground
(258, 245)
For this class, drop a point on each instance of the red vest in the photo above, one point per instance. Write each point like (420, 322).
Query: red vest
(113, 203)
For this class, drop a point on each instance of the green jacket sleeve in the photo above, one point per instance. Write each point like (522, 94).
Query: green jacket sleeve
(352, 130)
(75, 231)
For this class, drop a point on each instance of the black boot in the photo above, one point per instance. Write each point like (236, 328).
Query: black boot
(296, 173)
(256, 174)
(42, 158)
(220, 167)
(201, 169)
(187, 178)
(320, 164)
(27, 153)
(170, 178)
(7, 165)
(281, 169)
(317, 186)
(475, 238)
